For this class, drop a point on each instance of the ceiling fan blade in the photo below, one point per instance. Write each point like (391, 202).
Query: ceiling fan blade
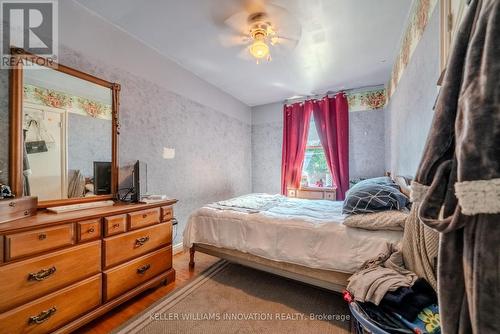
(255, 6)
(238, 22)
(286, 39)
(230, 40)
(284, 22)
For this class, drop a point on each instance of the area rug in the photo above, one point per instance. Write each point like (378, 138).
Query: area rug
(229, 298)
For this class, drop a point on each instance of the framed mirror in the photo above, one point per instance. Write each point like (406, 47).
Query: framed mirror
(64, 128)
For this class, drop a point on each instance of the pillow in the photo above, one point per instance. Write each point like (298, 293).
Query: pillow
(404, 184)
(372, 195)
(391, 220)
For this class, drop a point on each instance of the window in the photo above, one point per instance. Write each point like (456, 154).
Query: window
(315, 172)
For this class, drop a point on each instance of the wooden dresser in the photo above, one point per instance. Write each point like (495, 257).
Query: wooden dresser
(326, 193)
(60, 271)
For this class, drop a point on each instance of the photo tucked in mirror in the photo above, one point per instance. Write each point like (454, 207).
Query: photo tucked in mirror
(67, 130)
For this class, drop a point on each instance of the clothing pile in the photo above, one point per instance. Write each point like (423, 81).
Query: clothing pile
(394, 298)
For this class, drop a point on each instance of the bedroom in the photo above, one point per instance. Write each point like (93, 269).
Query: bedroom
(187, 89)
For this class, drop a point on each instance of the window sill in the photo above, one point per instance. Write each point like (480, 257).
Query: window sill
(317, 188)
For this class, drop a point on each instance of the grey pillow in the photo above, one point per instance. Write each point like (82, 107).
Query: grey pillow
(372, 195)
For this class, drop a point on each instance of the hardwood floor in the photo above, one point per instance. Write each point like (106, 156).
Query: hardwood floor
(122, 313)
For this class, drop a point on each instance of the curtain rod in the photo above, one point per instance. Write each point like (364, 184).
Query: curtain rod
(330, 92)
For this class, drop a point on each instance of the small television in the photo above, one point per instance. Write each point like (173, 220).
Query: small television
(140, 180)
(102, 177)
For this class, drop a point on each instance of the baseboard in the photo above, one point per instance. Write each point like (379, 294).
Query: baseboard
(178, 248)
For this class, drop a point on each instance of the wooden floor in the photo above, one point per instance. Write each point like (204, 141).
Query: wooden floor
(122, 313)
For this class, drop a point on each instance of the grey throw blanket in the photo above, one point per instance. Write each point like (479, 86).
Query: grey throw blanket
(380, 275)
(458, 180)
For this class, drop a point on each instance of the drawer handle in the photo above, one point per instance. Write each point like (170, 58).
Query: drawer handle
(42, 274)
(91, 230)
(116, 225)
(144, 215)
(141, 241)
(42, 236)
(43, 316)
(12, 204)
(142, 270)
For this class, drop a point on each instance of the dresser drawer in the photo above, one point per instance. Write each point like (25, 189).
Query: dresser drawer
(37, 241)
(29, 279)
(89, 229)
(115, 224)
(167, 213)
(50, 312)
(133, 273)
(143, 218)
(129, 245)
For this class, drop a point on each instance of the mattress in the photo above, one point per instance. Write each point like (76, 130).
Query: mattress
(298, 231)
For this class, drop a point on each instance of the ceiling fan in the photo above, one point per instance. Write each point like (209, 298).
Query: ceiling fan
(263, 30)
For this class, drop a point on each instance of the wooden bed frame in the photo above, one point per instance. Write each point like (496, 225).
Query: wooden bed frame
(327, 279)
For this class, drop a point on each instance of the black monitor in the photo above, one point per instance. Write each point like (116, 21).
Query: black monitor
(140, 179)
(102, 177)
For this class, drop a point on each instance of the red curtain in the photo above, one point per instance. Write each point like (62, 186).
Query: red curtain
(295, 129)
(331, 115)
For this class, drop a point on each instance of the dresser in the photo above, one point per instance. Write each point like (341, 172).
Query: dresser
(60, 271)
(325, 193)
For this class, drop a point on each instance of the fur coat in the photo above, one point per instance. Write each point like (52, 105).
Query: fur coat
(457, 186)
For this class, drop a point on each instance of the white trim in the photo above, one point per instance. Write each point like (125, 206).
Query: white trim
(418, 192)
(178, 248)
(481, 196)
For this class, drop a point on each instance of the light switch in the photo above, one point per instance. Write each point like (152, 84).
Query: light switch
(168, 153)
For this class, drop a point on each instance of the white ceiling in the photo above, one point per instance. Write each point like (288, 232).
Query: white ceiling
(344, 43)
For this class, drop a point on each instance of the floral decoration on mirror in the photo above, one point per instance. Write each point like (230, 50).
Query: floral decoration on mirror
(73, 104)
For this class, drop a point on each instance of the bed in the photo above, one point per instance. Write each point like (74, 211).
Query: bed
(299, 239)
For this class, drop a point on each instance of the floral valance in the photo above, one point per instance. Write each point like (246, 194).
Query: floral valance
(367, 100)
(74, 104)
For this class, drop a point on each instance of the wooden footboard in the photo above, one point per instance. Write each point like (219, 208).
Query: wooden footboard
(327, 279)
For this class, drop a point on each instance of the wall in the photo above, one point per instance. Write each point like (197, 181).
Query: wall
(162, 105)
(4, 126)
(84, 144)
(366, 145)
(409, 112)
(267, 139)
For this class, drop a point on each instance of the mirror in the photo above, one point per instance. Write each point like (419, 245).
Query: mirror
(67, 134)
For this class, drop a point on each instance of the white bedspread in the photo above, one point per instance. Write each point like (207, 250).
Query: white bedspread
(303, 232)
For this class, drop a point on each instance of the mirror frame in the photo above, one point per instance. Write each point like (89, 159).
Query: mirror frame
(16, 124)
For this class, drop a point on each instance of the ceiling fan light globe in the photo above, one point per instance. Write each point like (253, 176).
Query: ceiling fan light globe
(259, 49)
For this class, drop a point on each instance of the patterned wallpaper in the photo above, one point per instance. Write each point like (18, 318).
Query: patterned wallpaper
(4, 126)
(409, 113)
(419, 16)
(213, 151)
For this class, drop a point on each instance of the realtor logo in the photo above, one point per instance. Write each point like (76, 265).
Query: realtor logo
(29, 25)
